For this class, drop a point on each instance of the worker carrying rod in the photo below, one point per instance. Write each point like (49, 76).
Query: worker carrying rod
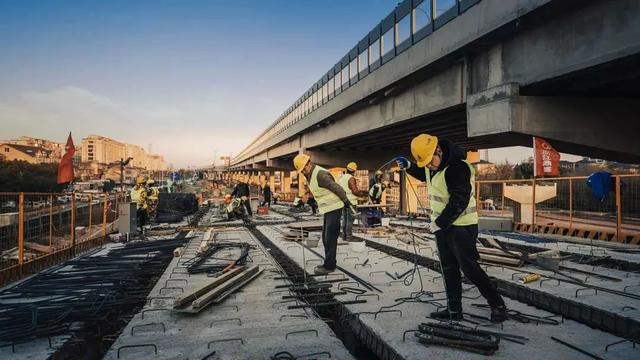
(350, 186)
(454, 220)
(331, 199)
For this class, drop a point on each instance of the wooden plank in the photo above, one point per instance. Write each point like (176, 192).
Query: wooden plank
(221, 288)
(501, 260)
(497, 252)
(182, 300)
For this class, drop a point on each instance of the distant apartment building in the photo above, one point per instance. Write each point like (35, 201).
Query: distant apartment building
(104, 150)
(30, 154)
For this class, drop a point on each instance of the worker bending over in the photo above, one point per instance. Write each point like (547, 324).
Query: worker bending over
(350, 186)
(454, 220)
(331, 200)
(138, 196)
(241, 190)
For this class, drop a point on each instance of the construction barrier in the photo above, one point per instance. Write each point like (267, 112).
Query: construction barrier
(565, 206)
(39, 230)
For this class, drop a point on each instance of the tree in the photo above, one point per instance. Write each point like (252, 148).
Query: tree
(523, 170)
(21, 176)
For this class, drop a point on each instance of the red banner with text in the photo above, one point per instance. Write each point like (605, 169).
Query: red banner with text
(547, 159)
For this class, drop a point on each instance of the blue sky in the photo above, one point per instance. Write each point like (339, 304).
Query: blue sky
(193, 78)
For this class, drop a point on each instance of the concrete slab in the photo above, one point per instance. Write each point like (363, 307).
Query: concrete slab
(253, 323)
(379, 317)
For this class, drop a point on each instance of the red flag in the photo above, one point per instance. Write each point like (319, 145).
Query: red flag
(65, 168)
(547, 159)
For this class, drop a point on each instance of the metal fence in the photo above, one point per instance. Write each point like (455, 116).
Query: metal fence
(566, 206)
(38, 230)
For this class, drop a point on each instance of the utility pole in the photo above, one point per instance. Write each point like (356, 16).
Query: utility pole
(123, 163)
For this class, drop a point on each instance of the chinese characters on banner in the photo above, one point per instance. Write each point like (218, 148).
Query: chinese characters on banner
(547, 159)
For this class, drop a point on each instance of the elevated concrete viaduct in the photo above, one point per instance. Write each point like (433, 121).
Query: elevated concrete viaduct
(493, 74)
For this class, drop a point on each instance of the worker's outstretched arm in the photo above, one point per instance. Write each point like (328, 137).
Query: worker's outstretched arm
(458, 182)
(325, 180)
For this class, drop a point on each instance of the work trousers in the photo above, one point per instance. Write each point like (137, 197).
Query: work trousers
(457, 249)
(330, 233)
(141, 217)
(267, 201)
(347, 223)
(247, 204)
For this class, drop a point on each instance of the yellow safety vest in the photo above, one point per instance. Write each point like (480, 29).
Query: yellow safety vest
(327, 201)
(154, 194)
(439, 197)
(138, 198)
(344, 182)
(376, 191)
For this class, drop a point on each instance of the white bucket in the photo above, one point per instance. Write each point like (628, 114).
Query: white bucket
(385, 221)
(313, 239)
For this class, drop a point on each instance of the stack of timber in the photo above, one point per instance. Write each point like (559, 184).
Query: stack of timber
(217, 290)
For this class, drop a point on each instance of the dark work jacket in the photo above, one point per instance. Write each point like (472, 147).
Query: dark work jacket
(266, 192)
(242, 189)
(457, 178)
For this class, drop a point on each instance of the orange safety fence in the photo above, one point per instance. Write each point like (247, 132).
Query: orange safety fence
(38, 230)
(565, 206)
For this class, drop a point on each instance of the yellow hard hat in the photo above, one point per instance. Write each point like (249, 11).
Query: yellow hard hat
(150, 182)
(352, 166)
(379, 173)
(140, 180)
(423, 147)
(300, 161)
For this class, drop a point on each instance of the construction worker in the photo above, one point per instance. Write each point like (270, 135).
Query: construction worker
(331, 199)
(152, 199)
(241, 190)
(139, 196)
(350, 186)
(266, 193)
(454, 220)
(377, 189)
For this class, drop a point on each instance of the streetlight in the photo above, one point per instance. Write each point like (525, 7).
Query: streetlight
(123, 163)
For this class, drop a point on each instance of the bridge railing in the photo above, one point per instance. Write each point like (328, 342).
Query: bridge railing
(38, 230)
(410, 22)
(566, 206)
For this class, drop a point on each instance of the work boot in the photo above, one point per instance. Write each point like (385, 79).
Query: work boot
(498, 314)
(321, 270)
(444, 315)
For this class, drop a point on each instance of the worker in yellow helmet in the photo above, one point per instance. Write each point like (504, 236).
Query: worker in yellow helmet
(454, 220)
(350, 186)
(242, 191)
(139, 196)
(331, 199)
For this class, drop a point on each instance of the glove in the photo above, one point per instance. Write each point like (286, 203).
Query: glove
(402, 162)
(433, 227)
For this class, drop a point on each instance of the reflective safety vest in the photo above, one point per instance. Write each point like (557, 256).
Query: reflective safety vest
(139, 196)
(439, 197)
(154, 194)
(344, 182)
(327, 201)
(375, 193)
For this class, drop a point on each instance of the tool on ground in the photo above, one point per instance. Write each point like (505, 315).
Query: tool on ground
(458, 337)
